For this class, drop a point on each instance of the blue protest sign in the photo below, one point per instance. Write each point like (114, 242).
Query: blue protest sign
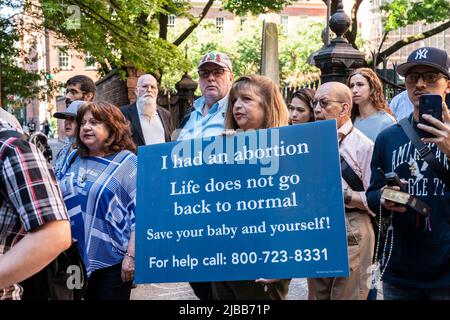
(259, 204)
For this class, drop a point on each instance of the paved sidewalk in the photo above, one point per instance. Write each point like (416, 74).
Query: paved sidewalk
(298, 290)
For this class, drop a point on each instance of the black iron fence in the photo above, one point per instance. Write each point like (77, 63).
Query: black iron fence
(287, 91)
(393, 84)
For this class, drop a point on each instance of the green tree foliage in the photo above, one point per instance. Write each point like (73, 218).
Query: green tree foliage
(122, 32)
(400, 13)
(15, 80)
(295, 49)
(244, 49)
(241, 7)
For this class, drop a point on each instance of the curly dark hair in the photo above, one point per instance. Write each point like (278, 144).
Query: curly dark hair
(119, 127)
(86, 83)
(376, 91)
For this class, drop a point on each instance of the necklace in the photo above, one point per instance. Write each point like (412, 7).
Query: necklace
(375, 268)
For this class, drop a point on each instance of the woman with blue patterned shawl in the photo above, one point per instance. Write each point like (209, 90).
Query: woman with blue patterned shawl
(98, 183)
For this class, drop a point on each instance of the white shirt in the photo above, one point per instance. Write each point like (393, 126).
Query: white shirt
(401, 105)
(152, 130)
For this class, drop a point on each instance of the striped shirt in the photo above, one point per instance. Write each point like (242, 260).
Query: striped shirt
(29, 195)
(100, 195)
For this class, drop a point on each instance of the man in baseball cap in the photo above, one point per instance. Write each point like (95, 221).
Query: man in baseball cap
(418, 268)
(71, 111)
(70, 129)
(217, 58)
(427, 56)
(427, 71)
(215, 73)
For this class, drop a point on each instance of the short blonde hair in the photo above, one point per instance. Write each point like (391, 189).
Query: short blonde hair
(275, 111)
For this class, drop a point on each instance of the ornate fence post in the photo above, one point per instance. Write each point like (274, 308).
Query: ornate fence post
(185, 93)
(339, 58)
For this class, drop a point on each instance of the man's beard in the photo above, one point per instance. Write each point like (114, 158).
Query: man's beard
(147, 105)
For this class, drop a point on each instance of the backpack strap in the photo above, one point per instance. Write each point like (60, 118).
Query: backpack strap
(351, 177)
(425, 152)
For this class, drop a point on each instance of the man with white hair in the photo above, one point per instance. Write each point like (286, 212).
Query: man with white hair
(149, 122)
(333, 100)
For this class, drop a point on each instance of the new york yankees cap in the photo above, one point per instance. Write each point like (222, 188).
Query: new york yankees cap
(427, 56)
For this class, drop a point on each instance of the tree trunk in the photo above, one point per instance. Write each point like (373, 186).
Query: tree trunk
(351, 34)
(1, 83)
(163, 20)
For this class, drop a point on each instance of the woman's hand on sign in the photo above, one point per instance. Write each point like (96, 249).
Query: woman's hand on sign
(127, 273)
(266, 281)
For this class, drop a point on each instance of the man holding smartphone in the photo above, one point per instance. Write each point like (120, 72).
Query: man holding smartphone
(418, 262)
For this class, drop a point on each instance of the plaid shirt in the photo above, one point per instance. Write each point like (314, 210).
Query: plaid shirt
(32, 195)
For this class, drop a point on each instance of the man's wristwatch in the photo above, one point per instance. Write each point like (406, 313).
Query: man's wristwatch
(347, 195)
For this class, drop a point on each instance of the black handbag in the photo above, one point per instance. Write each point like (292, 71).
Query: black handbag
(67, 276)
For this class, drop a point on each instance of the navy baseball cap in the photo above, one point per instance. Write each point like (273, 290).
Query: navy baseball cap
(427, 56)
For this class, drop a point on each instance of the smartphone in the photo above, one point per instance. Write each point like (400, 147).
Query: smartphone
(429, 104)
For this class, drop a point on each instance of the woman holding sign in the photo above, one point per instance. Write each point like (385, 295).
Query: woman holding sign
(99, 188)
(254, 103)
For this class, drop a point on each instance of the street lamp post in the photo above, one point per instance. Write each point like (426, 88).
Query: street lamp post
(339, 58)
(327, 33)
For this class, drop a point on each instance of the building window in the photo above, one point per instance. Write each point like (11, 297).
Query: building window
(89, 61)
(219, 24)
(63, 57)
(171, 21)
(285, 22)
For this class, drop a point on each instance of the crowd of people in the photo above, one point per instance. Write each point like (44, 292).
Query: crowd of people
(89, 195)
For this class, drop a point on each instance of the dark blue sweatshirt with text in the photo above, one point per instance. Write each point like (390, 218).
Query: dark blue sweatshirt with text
(421, 249)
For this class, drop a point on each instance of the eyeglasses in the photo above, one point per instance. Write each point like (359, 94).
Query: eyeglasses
(428, 77)
(323, 102)
(204, 74)
(74, 92)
